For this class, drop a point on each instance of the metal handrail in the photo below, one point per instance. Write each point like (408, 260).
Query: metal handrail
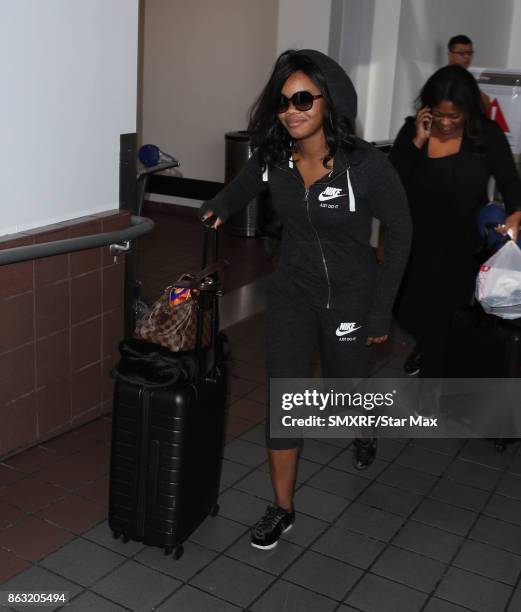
(138, 227)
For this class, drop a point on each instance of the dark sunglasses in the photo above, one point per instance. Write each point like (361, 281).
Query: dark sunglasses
(301, 100)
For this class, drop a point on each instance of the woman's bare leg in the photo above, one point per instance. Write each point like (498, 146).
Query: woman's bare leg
(283, 472)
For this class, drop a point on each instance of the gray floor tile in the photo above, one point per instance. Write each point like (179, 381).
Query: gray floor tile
(135, 586)
(344, 462)
(257, 483)
(217, 533)
(273, 561)
(440, 605)
(369, 521)
(323, 575)
(388, 449)
(102, 535)
(338, 442)
(319, 504)
(391, 499)
(376, 594)
(458, 494)
(241, 507)
(256, 434)
(194, 558)
(515, 466)
(232, 472)
(407, 479)
(292, 598)
(504, 508)
(510, 486)
(409, 568)
(87, 602)
(475, 592)
(344, 608)
(82, 561)
(318, 451)
(39, 579)
(245, 453)
(353, 548)
(305, 530)
(338, 482)
(424, 460)
(189, 599)
(489, 561)
(305, 469)
(515, 603)
(498, 533)
(473, 475)
(449, 518)
(448, 446)
(484, 453)
(428, 541)
(233, 581)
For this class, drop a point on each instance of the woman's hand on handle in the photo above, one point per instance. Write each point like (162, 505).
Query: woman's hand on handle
(376, 339)
(423, 126)
(209, 213)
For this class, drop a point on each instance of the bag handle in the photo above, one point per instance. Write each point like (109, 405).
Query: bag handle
(197, 282)
(210, 235)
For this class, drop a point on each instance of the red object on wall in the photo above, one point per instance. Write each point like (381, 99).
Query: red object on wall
(495, 113)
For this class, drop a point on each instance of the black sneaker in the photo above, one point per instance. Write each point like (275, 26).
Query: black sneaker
(267, 531)
(412, 364)
(364, 452)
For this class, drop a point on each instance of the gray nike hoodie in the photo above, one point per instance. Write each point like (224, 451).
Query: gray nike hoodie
(327, 226)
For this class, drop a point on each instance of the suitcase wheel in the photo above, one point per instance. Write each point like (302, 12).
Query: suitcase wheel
(168, 550)
(126, 538)
(115, 534)
(215, 510)
(178, 553)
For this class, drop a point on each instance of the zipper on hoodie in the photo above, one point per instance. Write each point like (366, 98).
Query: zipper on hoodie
(321, 249)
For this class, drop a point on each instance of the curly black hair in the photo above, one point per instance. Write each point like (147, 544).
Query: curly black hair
(456, 84)
(269, 137)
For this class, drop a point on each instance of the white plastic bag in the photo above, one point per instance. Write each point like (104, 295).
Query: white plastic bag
(498, 285)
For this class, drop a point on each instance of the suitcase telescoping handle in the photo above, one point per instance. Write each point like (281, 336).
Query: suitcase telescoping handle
(208, 299)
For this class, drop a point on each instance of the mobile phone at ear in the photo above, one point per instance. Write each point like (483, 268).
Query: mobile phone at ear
(427, 124)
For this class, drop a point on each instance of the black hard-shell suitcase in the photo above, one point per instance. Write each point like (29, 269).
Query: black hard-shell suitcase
(167, 439)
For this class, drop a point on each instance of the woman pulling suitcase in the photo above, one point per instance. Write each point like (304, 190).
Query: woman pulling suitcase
(326, 185)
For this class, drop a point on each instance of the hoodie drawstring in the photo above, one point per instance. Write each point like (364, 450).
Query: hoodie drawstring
(352, 203)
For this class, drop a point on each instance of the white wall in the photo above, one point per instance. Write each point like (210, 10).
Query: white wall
(303, 24)
(368, 53)
(514, 50)
(205, 62)
(70, 83)
(425, 28)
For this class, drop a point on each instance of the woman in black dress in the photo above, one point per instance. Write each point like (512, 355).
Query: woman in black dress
(445, 157)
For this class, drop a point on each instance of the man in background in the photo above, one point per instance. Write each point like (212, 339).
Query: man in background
(460, 53)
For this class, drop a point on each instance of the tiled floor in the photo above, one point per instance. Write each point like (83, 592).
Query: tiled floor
(433, 525)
